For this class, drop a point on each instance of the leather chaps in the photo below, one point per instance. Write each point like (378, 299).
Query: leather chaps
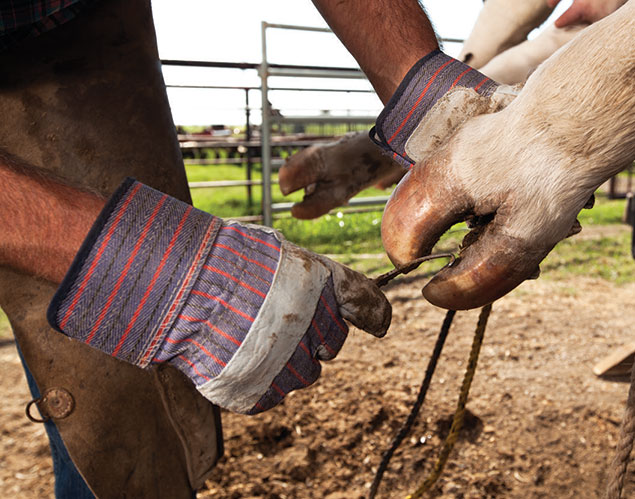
(87, 102)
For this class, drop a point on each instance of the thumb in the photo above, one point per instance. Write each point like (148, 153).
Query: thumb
(573, 15)
(360, 300)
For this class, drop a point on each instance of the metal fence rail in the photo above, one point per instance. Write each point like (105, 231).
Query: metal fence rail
(267, 70)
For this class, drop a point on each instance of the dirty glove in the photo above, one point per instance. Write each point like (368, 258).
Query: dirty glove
(246, 315)
(521, 175)
(437, 95)
(332, 173)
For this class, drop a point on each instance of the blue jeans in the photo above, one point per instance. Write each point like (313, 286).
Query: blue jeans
(69, 484)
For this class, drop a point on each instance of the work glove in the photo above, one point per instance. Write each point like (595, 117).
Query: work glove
(246, 315)
(332, 173)
(437, 95)
(520, 175)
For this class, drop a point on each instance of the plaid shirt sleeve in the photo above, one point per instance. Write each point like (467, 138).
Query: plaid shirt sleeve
(23, 19)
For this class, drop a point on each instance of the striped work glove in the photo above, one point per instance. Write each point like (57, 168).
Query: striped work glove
(438, 94)
(246, 315)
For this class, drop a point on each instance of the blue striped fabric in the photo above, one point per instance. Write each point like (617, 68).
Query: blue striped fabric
(159, 281)
(224, 302)
(322, 341)
(23, 19)
(428, 80)
(122, 292)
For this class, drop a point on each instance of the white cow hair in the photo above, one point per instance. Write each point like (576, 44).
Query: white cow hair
(571, 128)
(515, 65)
(501, 24)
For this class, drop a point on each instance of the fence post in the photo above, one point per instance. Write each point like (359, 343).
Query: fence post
(250, 200)
(265, 133)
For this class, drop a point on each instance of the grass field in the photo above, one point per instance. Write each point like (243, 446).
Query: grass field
(354, 239)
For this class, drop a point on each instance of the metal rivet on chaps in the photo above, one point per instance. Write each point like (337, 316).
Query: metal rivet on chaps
(55, 403)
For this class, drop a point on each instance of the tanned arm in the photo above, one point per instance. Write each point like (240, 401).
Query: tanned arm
(42, 221)
(385, 37)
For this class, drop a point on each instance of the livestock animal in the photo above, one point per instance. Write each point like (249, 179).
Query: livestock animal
(333, 173)
(498, 45)
(500, 25)
(570, 129)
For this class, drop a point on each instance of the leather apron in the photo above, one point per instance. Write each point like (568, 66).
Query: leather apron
(87, 102)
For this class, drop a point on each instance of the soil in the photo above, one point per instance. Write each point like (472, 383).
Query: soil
(539, 422)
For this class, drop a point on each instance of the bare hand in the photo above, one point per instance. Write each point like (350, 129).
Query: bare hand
(586, 11)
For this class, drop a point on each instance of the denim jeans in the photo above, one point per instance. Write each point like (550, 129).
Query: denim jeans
(69, 484)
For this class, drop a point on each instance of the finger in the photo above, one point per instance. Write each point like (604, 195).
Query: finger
(324, 198)
(573, 15)
(422, 207)
(360, 301)
(300, 170)
(485, 271)
(552, 3)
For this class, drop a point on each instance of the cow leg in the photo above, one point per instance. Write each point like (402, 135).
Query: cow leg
(87, 102)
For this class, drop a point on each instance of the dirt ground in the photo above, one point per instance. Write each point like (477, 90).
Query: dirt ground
(540, 424)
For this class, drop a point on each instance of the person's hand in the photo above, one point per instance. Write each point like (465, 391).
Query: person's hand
(332, 173)
(585, 11)
(521, 175)
(246, 315)
(437, 95)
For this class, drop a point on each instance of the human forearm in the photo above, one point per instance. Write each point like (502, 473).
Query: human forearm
(386, 38)
(42, 221)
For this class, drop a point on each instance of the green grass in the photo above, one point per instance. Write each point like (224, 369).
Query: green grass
(5, 329)
(354, 238)
(232, 201)
(605, 212)
(603, 257)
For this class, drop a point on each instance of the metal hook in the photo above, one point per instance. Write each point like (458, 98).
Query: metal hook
(30, 416)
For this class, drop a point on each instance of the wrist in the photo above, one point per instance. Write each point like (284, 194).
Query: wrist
(133, 272)
(387, 77)
(43, 221)
(426, 82)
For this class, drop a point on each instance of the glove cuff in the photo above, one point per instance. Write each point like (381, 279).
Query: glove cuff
(427, 81)
(133, 272)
